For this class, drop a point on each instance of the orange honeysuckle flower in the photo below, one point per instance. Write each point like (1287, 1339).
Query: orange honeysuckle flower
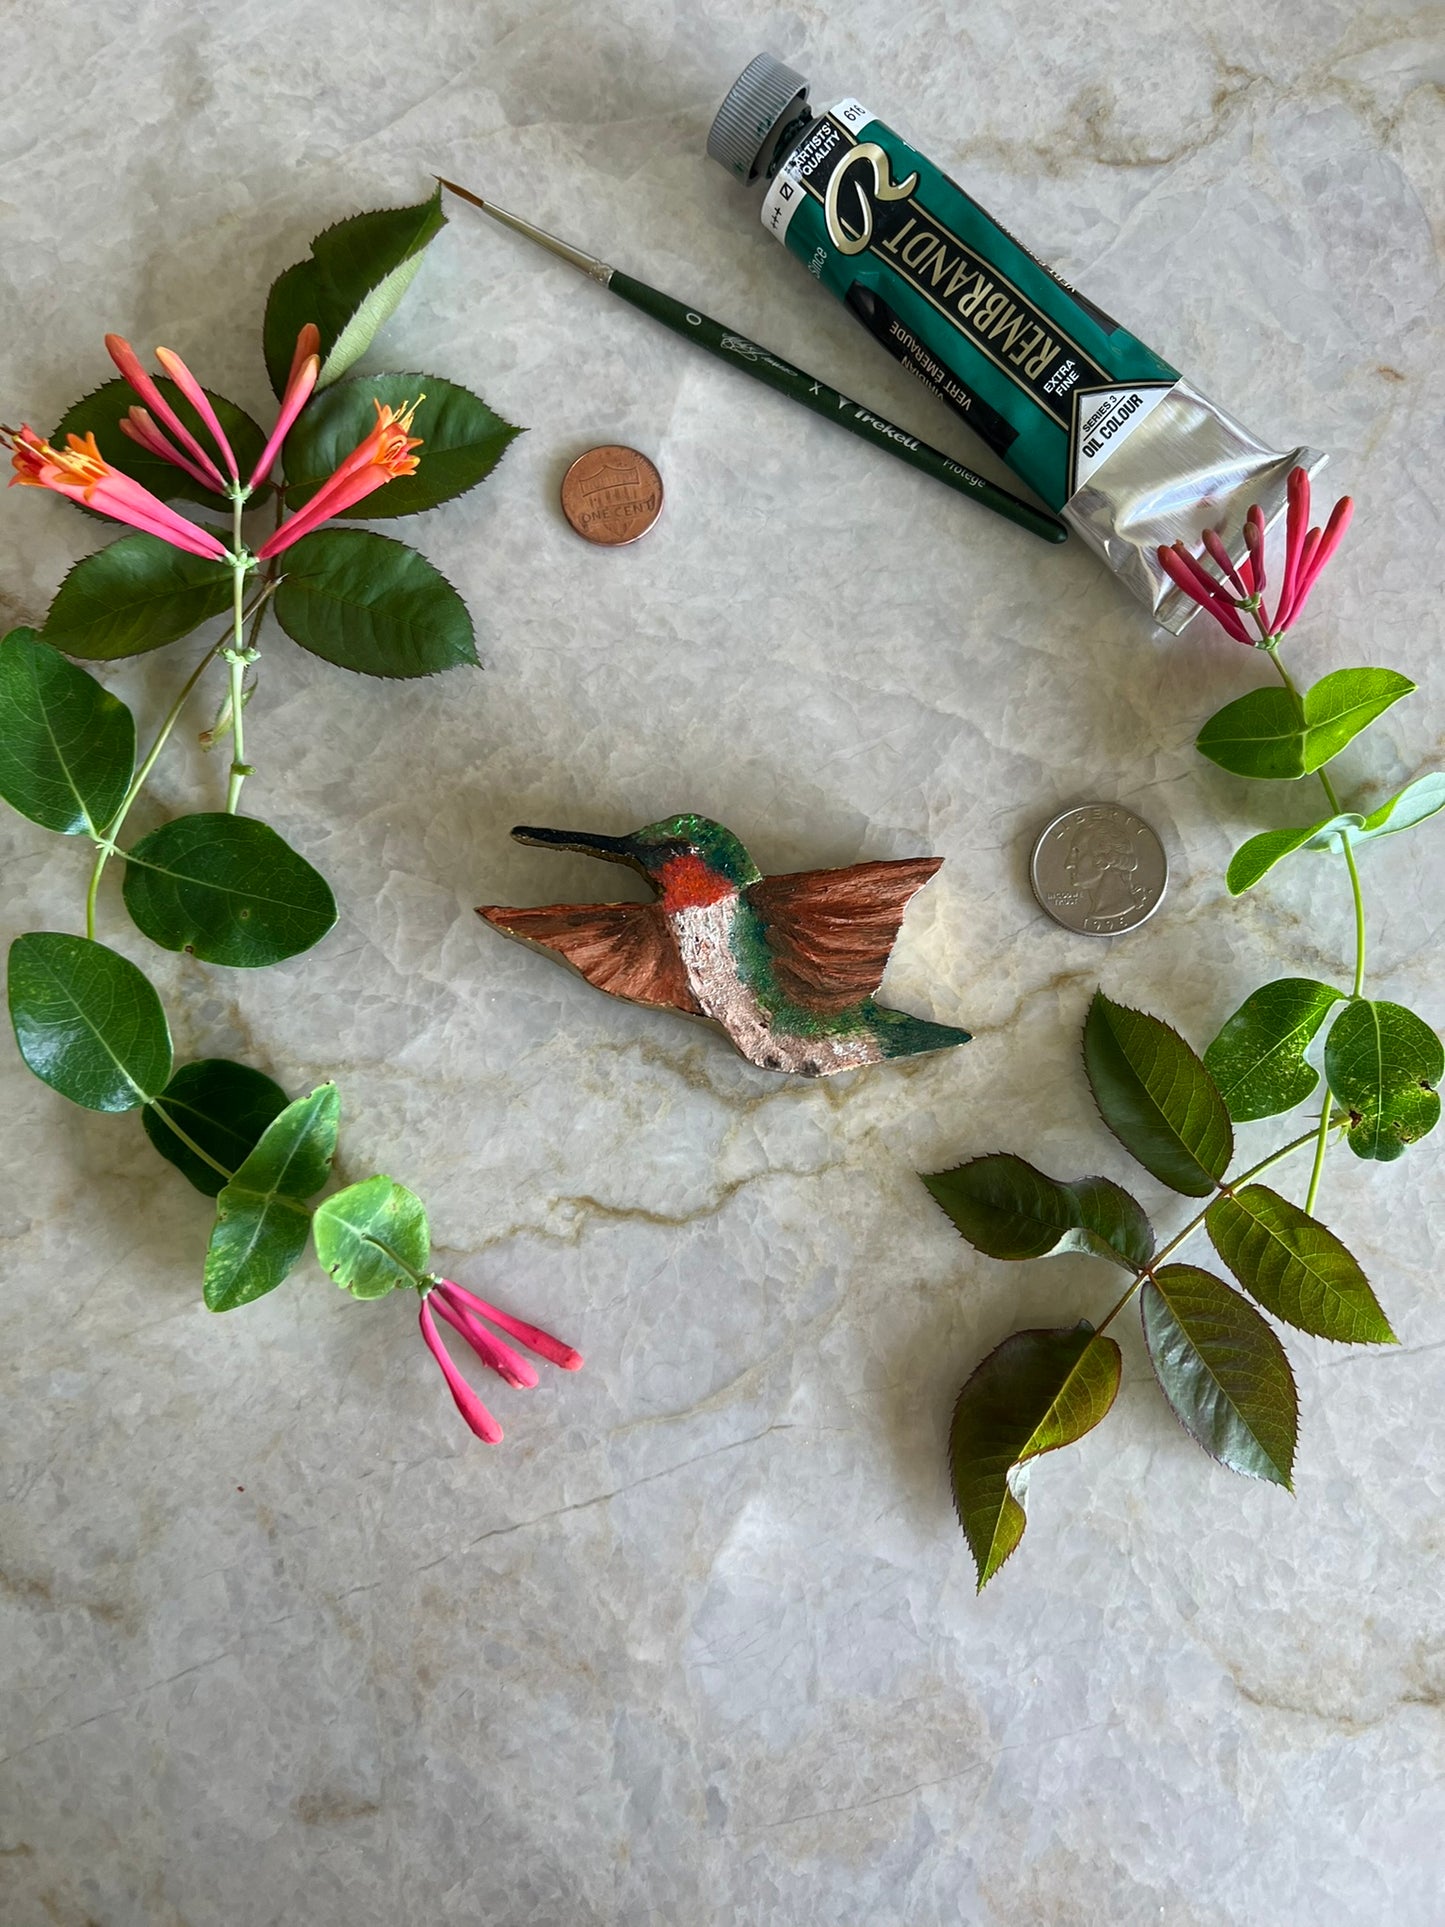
(81, 473)
(376, 460)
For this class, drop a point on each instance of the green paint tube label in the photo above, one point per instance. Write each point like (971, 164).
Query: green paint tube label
(1044, 377)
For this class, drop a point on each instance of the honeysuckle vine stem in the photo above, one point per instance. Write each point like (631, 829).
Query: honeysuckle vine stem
(237, 655)
(1322, 1131)
(106, 843)
(1225, 1187)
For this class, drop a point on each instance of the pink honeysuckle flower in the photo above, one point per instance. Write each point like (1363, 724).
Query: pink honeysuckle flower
(1315, 551)
(129, 364)
(136, 425)
(468, 1404)
(464, 1312)
(305, 367)
(201, 402)
(376, 459)
(536, 1340)
(81, 473)
(1305, 554)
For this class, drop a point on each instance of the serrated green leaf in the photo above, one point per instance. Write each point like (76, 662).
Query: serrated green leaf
(368, 603)
(1008, 1209)
(1156, 1097)
(1384, 1063)
(1258, 1058)
(373, 1237)
(357, 272)
(67, 746)
(1037, 1391)
(221, 1106)
(462, 442)
(226, 889)
(138, 594)
(88, 1023)
(262, 1220)
(101, 412)
(1295, 1267)
(1340, 705)
(1256, 735)
(1223, 1371)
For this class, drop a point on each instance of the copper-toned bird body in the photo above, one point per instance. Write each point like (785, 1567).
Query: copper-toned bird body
(785, 965)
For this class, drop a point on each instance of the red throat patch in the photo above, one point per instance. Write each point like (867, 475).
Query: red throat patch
(688, 883)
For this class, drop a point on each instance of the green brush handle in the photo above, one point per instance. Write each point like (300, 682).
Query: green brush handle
(776, 373)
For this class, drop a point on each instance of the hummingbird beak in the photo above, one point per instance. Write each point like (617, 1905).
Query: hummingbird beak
(612, 849)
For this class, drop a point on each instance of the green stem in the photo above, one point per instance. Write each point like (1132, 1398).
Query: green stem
(236, 659)
(240, 768)
(106, 848)
(1165, 1251)
(190, 1143)
(1322, 1131)
(1322, 1144)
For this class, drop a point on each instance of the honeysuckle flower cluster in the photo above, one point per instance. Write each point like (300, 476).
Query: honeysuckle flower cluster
(1241, 591)
(80, 471)
(464, 1312)
(222, 887)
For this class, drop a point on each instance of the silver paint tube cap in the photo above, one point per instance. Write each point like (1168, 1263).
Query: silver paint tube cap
(763, 106)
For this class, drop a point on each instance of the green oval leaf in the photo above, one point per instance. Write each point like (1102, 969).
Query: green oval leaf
(100, 413)
(1296, 1267)
(1156, 1097)
(262, 1218)
(1258, 856)
(1340, 705)
(1258, 1058)
(1264, 734)
(1223, 1371)
(67, 746)
(88, 1023)
(373, 1237)
(221, 1106)
(138, 594)
(357, 272)
(1038, 1391)
(462, 442)
(1416, 803)
(1007, 1209)
(226, 889)
(371, 604)
(1383, 1063)
(1256, 735)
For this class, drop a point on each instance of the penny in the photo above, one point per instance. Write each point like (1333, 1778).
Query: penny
(1099, 870)
(612, 495)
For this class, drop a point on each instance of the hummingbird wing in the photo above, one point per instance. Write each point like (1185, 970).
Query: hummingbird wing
(832, 931)
(625, 949)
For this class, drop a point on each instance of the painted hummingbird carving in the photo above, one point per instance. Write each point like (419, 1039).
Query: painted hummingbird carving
(785, 965)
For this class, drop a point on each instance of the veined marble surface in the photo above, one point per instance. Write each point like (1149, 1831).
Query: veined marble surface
(699, 1644)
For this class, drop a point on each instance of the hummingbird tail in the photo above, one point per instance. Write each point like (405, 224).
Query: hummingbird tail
(900, 1035)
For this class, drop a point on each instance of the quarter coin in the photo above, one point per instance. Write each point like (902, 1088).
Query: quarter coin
(1099, 869)
(612, 495)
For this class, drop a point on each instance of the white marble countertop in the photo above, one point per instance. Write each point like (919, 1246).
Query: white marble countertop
(699, 1643)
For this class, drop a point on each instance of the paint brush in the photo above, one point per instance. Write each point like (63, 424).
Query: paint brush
(739, 351)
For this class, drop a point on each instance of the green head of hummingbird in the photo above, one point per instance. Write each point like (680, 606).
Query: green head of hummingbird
(688, 860)
(785, 965)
